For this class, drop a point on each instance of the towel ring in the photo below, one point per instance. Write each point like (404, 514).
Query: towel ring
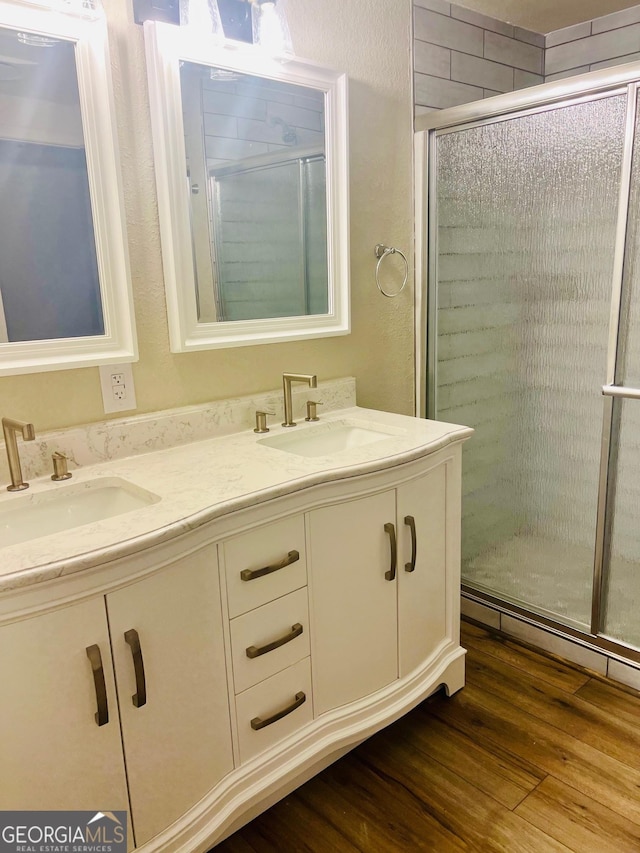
(381, 252)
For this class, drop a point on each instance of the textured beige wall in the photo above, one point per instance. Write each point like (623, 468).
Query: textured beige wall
(544, 16)
(370, 39)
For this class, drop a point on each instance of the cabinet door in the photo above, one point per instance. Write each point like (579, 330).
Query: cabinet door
(422, 592)
(178, 743)
(354, 642)
(54, 755)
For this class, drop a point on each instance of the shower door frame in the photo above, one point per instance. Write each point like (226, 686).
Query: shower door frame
(621, 80)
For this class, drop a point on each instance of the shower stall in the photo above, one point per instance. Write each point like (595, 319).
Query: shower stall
(269, 236)
(529, 239)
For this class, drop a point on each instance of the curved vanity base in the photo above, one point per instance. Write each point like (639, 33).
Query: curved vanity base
(279, 628)
(259, 784)
(455, 679)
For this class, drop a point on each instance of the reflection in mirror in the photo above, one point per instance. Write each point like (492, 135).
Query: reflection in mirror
(251, 168)
(256, 165)
(49, 285)
(65, 295)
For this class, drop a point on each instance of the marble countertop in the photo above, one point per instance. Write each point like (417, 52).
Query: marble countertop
(204, 480)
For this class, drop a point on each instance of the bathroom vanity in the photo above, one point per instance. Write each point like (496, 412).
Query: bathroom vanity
(271, 601)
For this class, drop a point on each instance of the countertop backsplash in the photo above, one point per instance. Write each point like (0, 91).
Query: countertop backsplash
(123, 437)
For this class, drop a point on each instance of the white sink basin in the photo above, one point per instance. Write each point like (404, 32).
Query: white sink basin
(329, 438)
(30, 516)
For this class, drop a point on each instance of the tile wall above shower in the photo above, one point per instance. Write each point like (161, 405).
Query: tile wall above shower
(462, 56)
(601, 43)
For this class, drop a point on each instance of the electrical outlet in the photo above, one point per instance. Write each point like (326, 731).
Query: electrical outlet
(118, 392)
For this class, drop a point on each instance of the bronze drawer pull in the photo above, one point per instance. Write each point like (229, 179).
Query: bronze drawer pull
(132, 639)
(391, 530)
(252, 574)
(256, 651)
(258, 723)
(95, 658)
(411, 566)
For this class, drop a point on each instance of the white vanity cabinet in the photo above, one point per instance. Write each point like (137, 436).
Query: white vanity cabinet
(379, 566)
(162, 639)
(236, 652)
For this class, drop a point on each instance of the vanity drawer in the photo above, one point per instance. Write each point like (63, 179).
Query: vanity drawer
(288, 694)
(284, 623)
(264, 564)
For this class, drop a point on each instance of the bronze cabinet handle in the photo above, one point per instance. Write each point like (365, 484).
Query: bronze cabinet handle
(132, 639)
(256, 651)
(258, 723)
(95, 658)
(391, 530)
(252, 574)
(411, 522)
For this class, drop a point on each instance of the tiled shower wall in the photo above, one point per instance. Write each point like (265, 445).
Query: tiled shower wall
(461, 56)
(601, 43)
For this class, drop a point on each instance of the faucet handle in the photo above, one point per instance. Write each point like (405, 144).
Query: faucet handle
(60, 469)
(261, 421)
(312, 414)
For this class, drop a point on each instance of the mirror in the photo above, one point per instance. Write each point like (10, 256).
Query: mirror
(65, 299)
(255, 157)
(251, 169)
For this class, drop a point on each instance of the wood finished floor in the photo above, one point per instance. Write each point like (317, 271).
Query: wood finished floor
(534, 755)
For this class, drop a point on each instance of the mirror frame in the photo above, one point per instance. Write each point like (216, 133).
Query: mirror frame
(119, 342)
(166, 46)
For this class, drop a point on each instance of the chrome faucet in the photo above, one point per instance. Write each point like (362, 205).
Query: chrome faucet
(11, 428)
(287, 379)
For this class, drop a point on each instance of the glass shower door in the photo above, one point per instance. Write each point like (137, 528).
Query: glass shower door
(622, 581)
(621, 575)
(526, 211)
